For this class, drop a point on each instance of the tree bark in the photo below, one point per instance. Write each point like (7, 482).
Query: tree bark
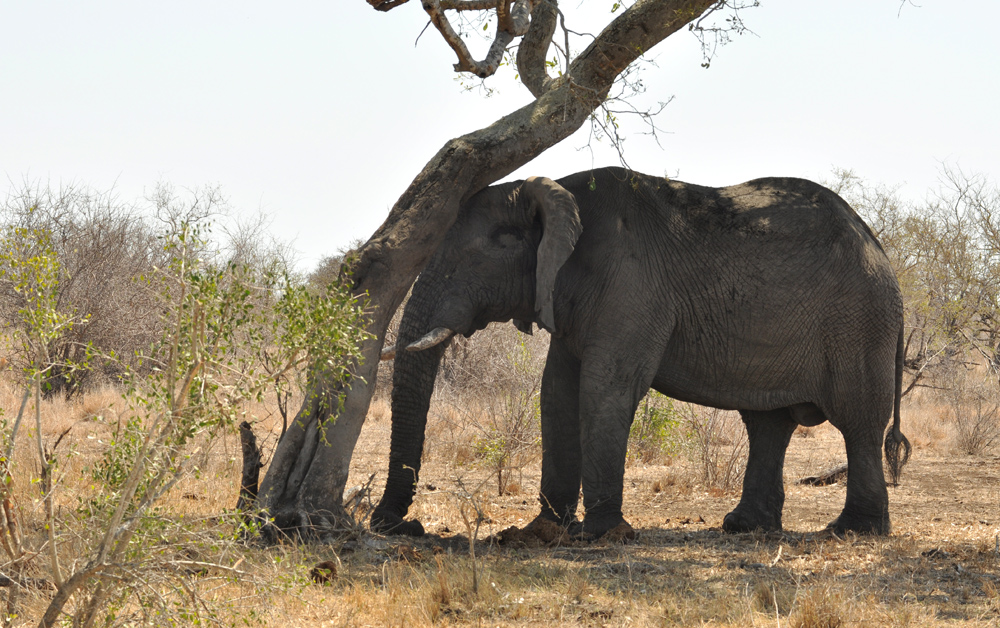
(303, 488)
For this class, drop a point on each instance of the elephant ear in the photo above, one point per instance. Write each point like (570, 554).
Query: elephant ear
(560, 230)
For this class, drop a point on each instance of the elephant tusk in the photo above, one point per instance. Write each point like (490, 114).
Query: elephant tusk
(388, 353)
(434, 337)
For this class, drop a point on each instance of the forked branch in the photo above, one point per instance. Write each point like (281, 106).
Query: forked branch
(513, 20)
(534, 47)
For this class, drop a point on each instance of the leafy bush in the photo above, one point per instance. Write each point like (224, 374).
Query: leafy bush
(217, 319)
(100, 247)
(657, 429)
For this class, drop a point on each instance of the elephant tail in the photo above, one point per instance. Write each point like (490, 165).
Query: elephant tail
(897, 447)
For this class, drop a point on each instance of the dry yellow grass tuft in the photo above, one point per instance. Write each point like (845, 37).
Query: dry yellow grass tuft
(819, 607)
(926, 424)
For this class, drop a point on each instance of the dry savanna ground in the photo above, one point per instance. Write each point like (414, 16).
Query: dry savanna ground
(940, 566)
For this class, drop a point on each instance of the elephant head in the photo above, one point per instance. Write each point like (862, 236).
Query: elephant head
(498, 262)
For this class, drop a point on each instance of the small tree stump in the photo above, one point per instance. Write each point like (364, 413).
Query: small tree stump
(251, 469)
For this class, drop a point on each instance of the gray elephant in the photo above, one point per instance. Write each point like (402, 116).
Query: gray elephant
(771, 297)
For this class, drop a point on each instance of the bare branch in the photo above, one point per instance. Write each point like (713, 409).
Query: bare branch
(713, 36)
(510, 25)
(474, 5)
(386, 5)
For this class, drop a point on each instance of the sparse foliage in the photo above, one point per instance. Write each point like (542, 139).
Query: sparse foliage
(494, 380)
(657, 429)
(719, 447)
(217, 318)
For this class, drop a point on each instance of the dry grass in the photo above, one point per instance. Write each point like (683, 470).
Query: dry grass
(940, 567)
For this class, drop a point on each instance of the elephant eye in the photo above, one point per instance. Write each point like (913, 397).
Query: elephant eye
(506, 236)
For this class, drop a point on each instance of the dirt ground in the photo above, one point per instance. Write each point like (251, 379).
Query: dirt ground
(940, 566)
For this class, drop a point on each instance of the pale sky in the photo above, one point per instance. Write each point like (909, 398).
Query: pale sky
(321, 113)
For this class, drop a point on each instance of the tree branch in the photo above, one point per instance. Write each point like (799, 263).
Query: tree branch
(473, 5)
(631, 35)
(510, 25)
(534, 47)
(386, 5)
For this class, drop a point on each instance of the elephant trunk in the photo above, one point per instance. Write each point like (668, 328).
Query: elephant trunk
(412, 385)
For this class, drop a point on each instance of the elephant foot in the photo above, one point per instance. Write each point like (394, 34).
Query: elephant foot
(744, 520)
(552, 532)
(614, 526)
(572, 525)
(390, 523)
(874, 526)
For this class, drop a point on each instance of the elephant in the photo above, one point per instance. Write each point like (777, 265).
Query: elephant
(772, 297)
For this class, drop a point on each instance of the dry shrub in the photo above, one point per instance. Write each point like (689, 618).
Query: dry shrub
(379, 410)
(464, 453)
(719, 446)
(675, 480)
(975, 408)
(108, 251)
(497, 357)
(449, 434)
(104, 247)
(923, 423)
(494, 379)
(819, 608)
(772, 597)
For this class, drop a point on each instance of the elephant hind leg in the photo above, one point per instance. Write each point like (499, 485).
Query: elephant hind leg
(866, 510)
(763, 485)
(862, 419)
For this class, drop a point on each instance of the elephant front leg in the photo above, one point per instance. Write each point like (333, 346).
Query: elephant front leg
(763, 485)
(608, 401)
(561, 453)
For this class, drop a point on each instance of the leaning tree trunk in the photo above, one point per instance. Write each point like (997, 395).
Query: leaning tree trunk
(304, 485)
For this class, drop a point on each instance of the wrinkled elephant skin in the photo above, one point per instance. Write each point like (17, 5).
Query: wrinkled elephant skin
(771, 297)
